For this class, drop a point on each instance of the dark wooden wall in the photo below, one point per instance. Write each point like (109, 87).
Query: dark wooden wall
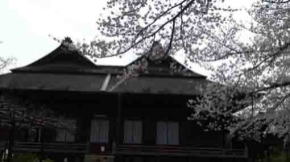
(119, 107)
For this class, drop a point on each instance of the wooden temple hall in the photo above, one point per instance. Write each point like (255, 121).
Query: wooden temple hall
(108, 119)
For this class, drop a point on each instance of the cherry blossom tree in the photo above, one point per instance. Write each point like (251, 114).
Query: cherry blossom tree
(251, 96)
(5, 62)
(185, 25)
(17, 113)
(256, 74)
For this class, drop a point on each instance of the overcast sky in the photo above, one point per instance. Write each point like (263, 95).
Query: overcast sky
(27, 24)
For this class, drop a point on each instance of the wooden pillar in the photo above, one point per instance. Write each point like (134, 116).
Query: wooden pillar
(119, 120)
(42, 144)
(11, 138)
(118, 129)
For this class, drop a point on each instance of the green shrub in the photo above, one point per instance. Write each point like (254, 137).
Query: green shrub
(277, 155)
(47, 160)
(28, 157)
(280, 157)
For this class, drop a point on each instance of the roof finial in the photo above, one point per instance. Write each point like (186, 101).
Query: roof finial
(68, 44)
(67, 40)
(157, 52)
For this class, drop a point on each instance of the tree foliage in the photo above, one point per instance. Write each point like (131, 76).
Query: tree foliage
(23, 113)
(259, 71)
(5, 62)
(186, 25)
(253, 76)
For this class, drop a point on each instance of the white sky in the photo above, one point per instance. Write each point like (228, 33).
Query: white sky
(26, 26)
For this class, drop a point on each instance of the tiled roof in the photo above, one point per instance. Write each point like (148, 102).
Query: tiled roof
(68, 70)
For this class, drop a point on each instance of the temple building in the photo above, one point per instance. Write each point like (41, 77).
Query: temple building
(113, 118)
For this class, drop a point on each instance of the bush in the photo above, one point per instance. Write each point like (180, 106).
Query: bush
(28, 157)
(280, 157)
(47, 160)
(277, 154)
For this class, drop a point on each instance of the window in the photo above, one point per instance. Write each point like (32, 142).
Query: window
(167, 133)
(132, 132)
(68, 134)
(99, 131)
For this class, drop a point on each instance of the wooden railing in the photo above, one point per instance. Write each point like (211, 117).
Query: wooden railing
(48, 147)
(130, 150)
(180, 151)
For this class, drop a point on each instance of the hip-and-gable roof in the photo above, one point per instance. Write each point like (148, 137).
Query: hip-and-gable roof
(65, 69)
